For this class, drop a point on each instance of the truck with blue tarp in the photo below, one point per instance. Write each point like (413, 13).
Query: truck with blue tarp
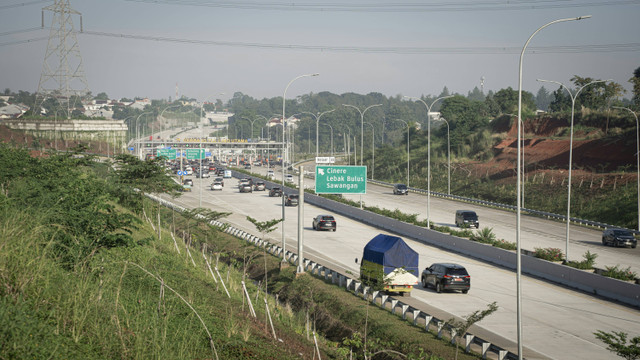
(389, 264)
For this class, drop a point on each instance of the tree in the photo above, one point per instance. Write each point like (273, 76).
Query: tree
(543, 99)
(148, 176)
(635, 81)
(102, 96)
(507, 100)
(598, 95)
(476, 95)
(617, 342)
(461, 327)
(561, 101)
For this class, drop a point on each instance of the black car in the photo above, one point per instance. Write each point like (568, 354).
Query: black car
(400, 189)
(275, 191)
(445, 276)
(619, 237)
(467, 218)
(291, 200)
(324, 222)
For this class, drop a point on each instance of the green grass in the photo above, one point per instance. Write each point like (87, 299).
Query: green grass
(111, 307)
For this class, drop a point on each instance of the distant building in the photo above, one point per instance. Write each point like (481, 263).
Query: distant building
(292, 122)
(12, 111)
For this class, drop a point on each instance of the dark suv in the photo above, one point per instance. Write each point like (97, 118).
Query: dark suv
(324, 222)
(291, 200)
(619, 237)
(467, 218)
(444, 276)
(275, 191)
(400, 189)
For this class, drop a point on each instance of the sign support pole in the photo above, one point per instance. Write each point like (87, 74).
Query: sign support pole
(300, 268)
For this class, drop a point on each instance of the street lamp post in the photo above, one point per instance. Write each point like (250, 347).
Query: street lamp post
(284, 103)
(251, 121)
(637, 155)
(407, 125)
(429, 149)
(137, 136)
(362, 128)
(317, 117)
(519, 180)
(331, 127)
(373, 150)
(448, 158)
(174, 106)
(573, 105)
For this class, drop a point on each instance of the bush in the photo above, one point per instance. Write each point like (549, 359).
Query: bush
(503, 244)
(549, 254)
(620, 274)
(485, 236)
(585, 264)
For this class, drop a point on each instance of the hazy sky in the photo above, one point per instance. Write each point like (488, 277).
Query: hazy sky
(394, 47)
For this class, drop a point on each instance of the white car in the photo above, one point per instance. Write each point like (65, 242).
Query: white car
(288, 178)
(271, 175)
(216, 186)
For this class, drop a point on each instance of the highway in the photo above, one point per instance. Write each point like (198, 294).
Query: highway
(535, 232)
(558, 323)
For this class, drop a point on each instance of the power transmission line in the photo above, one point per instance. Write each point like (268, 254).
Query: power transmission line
(593, 48)
(4, 7)
(455, 6)
(391, 50)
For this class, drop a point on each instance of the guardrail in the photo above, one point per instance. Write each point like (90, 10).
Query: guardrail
(417, 317)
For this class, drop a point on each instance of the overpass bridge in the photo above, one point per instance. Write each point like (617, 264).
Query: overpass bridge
(213, 147)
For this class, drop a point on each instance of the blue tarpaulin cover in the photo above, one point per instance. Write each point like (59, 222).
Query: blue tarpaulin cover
(391, 252)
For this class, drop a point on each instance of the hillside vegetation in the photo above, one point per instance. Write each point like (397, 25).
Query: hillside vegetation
(84, 275)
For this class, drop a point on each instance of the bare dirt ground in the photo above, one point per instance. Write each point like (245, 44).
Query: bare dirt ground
(594, 158)
(19, 138)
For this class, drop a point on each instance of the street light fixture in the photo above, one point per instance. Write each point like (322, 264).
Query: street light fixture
(284, 102)
(519, 180)
(407, 125)
(637, 155)
(428, 149)
(573, 105)
(362, 128)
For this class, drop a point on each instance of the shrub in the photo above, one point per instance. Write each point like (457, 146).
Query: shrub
(503, 244)
(549, 254)
(620, 274)
(585, 264)
(485, 236)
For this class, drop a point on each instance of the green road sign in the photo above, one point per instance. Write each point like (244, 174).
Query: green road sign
(195, 154)
(341, 179)
(167, 153)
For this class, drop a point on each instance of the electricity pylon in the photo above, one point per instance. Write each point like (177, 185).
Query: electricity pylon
(62, 79)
